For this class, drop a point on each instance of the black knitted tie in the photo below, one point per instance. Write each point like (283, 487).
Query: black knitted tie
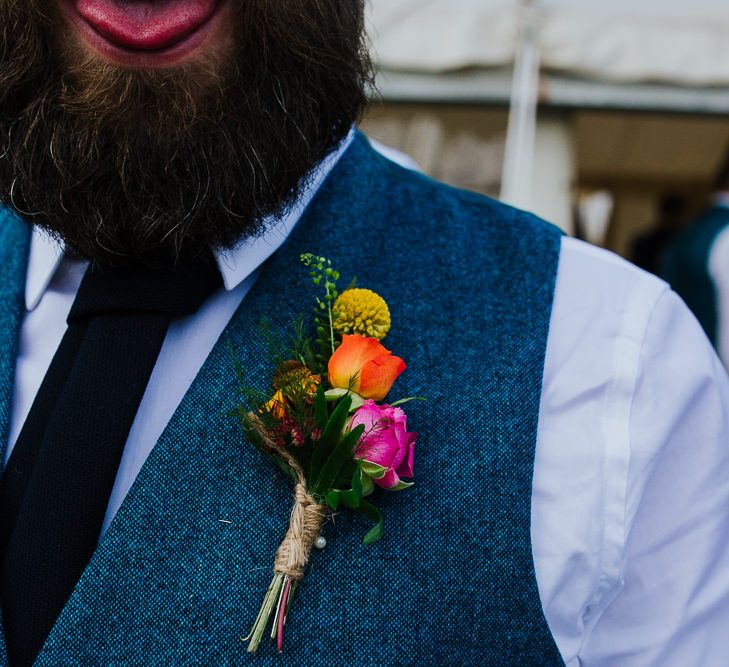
(57, 483)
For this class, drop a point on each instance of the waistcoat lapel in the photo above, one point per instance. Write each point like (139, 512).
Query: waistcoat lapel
(14, 246)
(183, 567)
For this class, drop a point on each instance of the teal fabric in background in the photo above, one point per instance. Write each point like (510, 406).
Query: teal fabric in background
(179, 576)
(687, 267)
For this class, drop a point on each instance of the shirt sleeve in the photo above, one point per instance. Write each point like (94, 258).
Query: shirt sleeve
(719, 272)
(670, 606)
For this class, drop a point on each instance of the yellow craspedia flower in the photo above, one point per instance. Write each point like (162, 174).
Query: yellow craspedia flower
(363, 312)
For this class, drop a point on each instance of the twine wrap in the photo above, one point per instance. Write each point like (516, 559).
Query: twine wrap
(307, 516)
(304, 527)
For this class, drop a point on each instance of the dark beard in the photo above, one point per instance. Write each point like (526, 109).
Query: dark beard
(131, 166)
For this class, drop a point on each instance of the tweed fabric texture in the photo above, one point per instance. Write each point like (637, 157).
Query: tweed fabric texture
(14, 248)
(58, 480)
(470, 285)
(687, 267)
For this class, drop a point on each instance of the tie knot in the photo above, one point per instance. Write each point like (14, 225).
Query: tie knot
(174, 291)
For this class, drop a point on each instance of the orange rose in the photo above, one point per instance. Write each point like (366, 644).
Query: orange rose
(364, 366)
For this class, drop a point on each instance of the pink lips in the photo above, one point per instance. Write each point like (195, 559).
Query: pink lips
(145, 25)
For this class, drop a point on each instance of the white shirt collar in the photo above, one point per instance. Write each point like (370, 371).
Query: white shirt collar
(235, 264)
(43, 260)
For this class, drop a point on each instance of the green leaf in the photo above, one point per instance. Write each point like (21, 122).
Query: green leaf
(373, 470)
(342, 453)
(333, 498)
(237, 366)
(344, 478)
(402, 401)
(372, 513)
(240, 411)
(336, 394)
(330, 438)
(357, 482)
(368, 486)
(349, 499)
(353, 497)
(320, 407)
(357, 400)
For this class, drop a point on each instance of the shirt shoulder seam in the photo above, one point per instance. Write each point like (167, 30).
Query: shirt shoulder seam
(627, 353)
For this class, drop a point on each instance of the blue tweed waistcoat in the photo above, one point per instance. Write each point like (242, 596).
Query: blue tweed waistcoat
(179, 576)
(687, 267)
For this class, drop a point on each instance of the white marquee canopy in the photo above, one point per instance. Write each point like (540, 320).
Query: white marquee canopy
(684, 42)
(652, 55)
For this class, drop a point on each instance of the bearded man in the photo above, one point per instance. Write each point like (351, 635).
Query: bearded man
(164, 163)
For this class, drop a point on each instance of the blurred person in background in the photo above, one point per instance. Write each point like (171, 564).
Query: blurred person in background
(697, 265)
(649, 249)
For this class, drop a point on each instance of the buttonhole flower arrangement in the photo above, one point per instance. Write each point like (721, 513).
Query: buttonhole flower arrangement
(326, 424)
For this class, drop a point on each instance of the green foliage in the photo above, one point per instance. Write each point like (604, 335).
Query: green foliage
(402, 401)
(302, 347)
(353, 497)
(323, 275)
(237, 367)
(320, 407)
(345, 474)
(337, 393)
(252, 398)
(350, 497)
(373, 514)
(277, 351)
(330, 438)
(343, 452)
(333, 498)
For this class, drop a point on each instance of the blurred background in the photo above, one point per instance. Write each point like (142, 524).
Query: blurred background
(607, 117)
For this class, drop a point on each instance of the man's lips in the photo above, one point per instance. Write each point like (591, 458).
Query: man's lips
(145, 25)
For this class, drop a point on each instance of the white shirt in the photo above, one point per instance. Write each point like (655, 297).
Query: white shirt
(630, 501)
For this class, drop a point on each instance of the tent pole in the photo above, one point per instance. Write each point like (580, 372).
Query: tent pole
(554, 168)
(518, 167)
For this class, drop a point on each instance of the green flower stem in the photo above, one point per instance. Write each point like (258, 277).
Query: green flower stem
(264, 615)
(331, 325)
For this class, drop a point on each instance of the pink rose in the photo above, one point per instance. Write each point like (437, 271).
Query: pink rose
(386, 448)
